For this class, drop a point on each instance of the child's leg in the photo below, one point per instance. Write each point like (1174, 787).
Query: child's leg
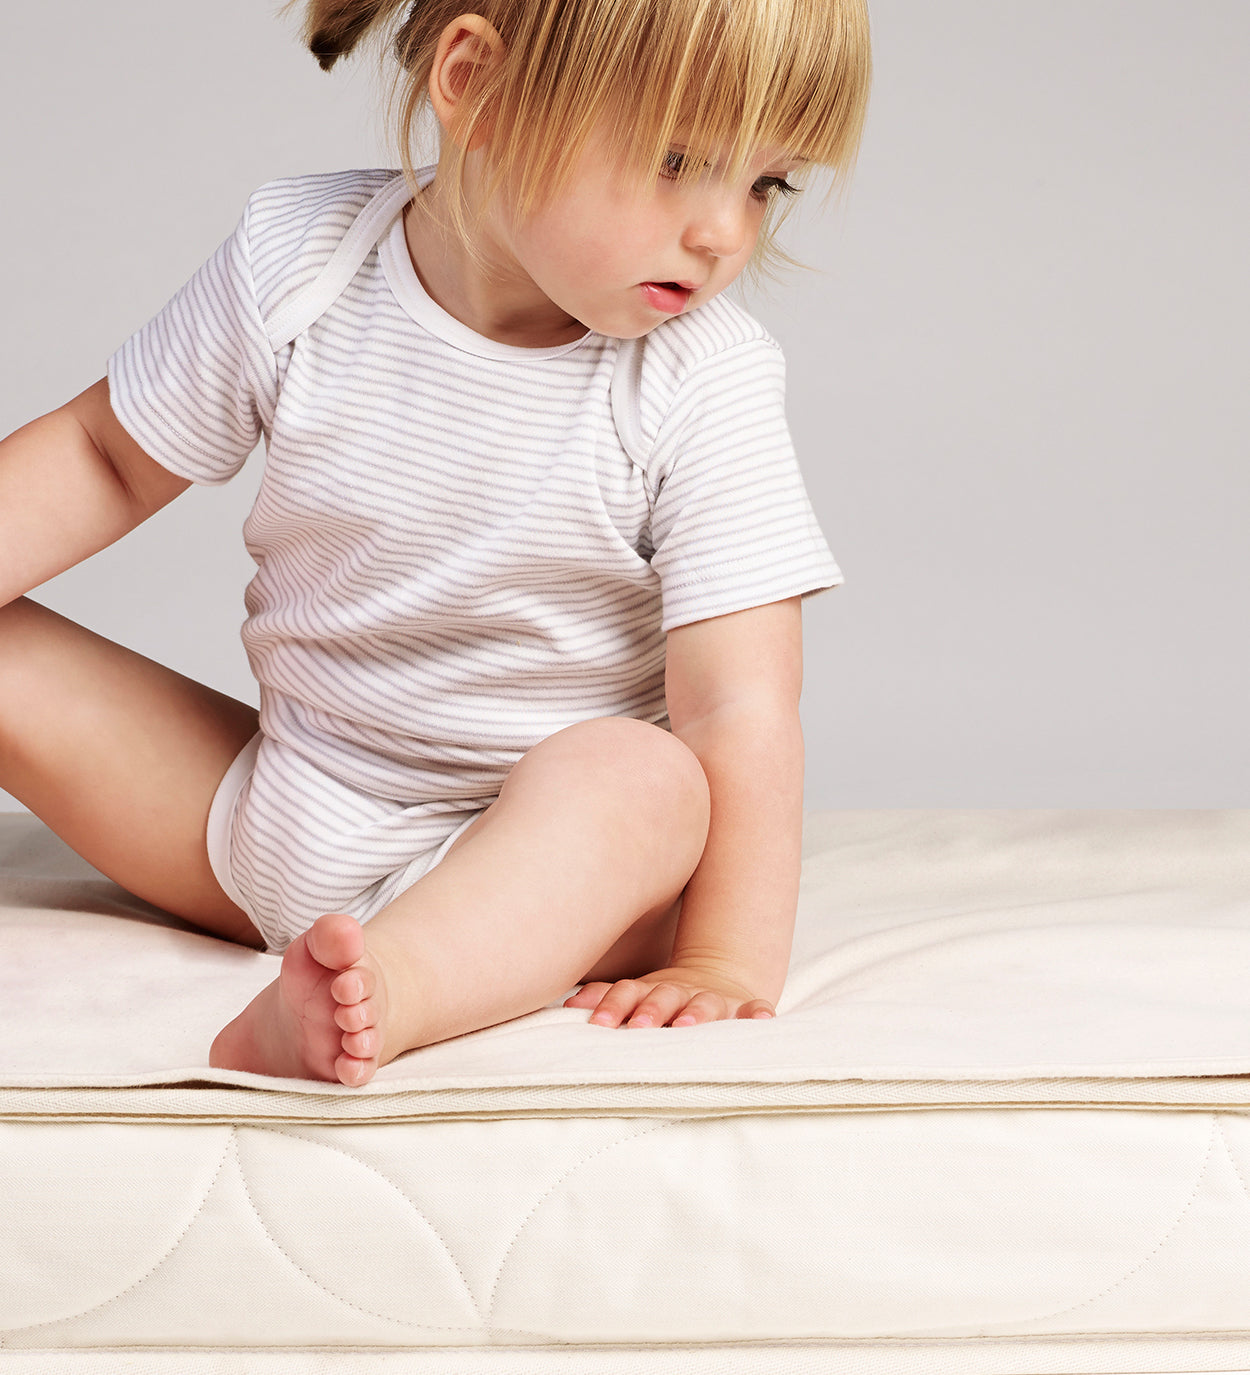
(120, 757)
(578, 866)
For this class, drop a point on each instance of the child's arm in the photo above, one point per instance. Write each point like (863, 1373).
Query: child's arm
(71, 483)
(733, 686)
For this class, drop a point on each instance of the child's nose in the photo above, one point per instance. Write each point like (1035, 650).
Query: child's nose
(718, 226)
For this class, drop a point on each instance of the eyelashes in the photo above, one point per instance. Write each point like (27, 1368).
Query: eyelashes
(672, 165)
(767, 185)
(763, 189)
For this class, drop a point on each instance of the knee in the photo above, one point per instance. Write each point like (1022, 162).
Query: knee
(667, 771)
(688, 780)
(650, 769)
(665, 803)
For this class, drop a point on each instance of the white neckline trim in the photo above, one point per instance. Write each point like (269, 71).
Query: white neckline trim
(411, 294)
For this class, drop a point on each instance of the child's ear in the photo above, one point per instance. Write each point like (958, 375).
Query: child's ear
(469, 48)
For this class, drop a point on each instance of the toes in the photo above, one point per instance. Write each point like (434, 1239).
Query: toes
(353, 1072)
(336, 940)
(363, 1045)
(356, 1016)
(354, 985)
(334, 999)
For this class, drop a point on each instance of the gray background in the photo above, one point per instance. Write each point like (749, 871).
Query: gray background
(1017, 371)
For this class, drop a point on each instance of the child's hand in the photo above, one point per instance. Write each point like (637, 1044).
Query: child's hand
(669, 997)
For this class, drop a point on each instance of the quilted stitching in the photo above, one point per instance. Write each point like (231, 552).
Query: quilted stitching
(156, 1265)
(111, 1321)
(1199, 1176)
(1226, 1127)
(326, 1289)
(393, 1184)
(556, 1184)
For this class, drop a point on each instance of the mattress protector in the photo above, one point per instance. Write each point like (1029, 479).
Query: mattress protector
(940, 958)
(1000, 1126)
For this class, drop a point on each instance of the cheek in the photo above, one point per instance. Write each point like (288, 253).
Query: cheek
(573, 241)
(598, 251)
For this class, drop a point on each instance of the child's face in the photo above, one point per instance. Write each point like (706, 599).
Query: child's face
(622, 262)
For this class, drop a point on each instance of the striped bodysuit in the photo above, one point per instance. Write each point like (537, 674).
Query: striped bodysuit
(462, 546)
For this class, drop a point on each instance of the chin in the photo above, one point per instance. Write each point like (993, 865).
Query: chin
(621, 329)
(629, 333)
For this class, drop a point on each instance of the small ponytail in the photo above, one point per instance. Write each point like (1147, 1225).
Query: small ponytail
(335, 28)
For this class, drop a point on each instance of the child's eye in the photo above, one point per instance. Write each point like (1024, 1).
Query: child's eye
(672, 165)
(766, 186)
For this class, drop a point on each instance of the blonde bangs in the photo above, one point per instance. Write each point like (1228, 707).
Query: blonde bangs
(723, 79)
(728, 77)
(785, 74)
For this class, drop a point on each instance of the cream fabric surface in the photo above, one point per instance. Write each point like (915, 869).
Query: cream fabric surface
(1001, 1125)
(952, 947)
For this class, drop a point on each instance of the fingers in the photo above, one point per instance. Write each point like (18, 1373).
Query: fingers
(667, 1002)
(623, 1000)
(637, 1003)
(588, 996)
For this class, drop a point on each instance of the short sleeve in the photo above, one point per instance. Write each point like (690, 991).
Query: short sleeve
(196, 386)
(732, 526)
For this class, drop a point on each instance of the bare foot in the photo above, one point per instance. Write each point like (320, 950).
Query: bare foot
(323, 1017)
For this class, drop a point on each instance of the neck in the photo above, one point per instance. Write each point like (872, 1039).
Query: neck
(488, 290)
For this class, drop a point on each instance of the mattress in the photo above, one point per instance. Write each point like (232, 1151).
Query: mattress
(1001, 1125)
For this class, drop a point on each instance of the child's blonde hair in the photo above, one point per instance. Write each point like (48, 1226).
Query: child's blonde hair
(719, 74)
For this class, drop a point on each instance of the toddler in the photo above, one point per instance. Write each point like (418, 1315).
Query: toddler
(531, 543)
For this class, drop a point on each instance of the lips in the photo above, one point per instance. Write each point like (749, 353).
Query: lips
(669, 297)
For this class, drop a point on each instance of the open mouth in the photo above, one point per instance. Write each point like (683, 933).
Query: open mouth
(669, 297)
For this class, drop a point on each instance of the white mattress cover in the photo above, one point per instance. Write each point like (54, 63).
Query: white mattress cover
(1003, 1110)
(1068, 954)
